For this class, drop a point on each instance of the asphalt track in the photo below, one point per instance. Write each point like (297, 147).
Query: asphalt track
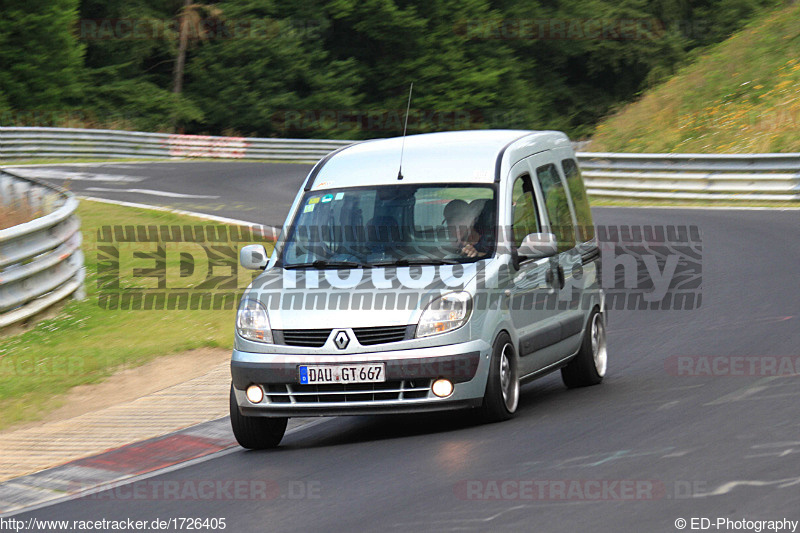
(254, 192)
(647, 447)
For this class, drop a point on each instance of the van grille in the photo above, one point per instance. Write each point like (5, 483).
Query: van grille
(309, 338)
(316, 338)
(350, 393)
(380, 335)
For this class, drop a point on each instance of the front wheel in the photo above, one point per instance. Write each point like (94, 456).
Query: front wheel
(255, 432)
(589, 366)
(502, 390)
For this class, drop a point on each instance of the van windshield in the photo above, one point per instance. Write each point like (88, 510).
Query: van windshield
(392, 225)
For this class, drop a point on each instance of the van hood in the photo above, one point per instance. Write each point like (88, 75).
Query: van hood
(352, 298)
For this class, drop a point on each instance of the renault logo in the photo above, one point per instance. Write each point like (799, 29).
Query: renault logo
(341, 340)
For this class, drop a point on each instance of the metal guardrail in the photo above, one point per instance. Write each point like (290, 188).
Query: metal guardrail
(41, 262)
(754, 177)
(68, 142)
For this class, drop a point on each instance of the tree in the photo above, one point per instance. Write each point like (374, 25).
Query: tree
(191, 22)
(460, 82)
(130, 66)
(40, 57)
(251, 74)
(341, 68)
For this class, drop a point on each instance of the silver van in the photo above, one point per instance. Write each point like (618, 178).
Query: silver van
(425, 273)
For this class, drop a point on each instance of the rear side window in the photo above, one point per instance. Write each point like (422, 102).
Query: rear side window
(557, 206)
(579, 200)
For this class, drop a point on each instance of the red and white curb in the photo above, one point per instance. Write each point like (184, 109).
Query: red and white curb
(113, 467)
(116, 465)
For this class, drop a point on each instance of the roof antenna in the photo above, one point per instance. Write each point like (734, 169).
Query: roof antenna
(405, 127)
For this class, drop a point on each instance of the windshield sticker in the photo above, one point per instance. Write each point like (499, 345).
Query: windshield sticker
(323, 184)
(339, 196)
(308, 208)
(327, 198)
(314, 200)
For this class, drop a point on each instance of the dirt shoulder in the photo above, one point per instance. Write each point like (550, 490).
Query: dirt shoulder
(131, 383)
(165, 395)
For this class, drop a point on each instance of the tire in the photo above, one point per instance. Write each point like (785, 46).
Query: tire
(255, 432)
(501, 398)
(589, 366)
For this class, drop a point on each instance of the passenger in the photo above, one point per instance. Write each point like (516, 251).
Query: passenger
(469, 228)
(454, 211)
(482, 237)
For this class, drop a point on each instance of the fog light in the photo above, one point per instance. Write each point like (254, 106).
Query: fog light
(255, 394)
(442, 388)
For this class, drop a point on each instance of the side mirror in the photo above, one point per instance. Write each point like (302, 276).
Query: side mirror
(253, 257)
(538, 246)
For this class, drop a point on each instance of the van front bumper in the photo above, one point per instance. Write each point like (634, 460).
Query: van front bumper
(409, 374)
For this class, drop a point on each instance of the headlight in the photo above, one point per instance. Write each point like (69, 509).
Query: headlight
(445, 313)
(252, 322)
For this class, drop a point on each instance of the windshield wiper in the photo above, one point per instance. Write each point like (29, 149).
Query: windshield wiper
(321, 263)
(416, 261)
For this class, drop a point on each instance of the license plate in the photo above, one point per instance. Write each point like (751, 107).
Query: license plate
(374, 373)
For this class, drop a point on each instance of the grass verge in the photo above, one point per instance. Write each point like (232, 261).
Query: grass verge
(740, 96)
(86, 343)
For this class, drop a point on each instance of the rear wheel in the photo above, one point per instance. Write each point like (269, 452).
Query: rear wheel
(255, 432)
(502, 390)
(589, 366)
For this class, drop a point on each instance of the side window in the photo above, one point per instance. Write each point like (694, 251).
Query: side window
(579, 200)
(525, 220)
(557, 206)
